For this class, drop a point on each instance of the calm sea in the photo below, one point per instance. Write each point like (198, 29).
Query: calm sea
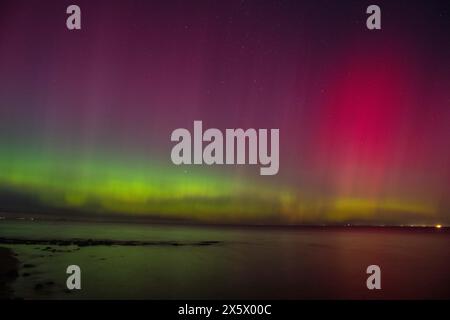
(254, 263)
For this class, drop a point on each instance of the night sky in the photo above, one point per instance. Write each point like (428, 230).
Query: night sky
(364, 116)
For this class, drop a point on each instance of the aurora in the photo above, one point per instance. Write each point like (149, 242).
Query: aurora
(86, 115)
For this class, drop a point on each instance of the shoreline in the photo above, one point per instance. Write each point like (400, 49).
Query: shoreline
(9, 271)
(113, 269)
(100, 242)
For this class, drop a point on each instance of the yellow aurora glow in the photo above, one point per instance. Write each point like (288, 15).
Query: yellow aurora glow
(113, 187)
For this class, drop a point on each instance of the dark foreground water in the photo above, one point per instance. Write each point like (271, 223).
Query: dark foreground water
(172, 262)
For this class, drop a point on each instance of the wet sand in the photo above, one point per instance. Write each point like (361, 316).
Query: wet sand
(8, 272)
(42, 285)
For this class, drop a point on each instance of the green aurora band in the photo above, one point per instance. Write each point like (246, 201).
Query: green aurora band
(106, 184)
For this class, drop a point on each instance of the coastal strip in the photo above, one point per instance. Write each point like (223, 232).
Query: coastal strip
(9, 266)
(99, 242)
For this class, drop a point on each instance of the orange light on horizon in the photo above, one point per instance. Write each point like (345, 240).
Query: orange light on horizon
(438, 226)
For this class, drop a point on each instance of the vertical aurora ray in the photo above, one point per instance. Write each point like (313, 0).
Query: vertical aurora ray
(85, 117)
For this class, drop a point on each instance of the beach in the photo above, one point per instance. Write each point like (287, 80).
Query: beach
(140, 261)
(8, 272)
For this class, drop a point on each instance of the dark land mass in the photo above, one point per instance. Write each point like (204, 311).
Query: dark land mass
(96, 242)
(9, 267)
(155, 221)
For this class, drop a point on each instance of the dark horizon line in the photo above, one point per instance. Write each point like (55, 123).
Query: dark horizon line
(183, 222)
